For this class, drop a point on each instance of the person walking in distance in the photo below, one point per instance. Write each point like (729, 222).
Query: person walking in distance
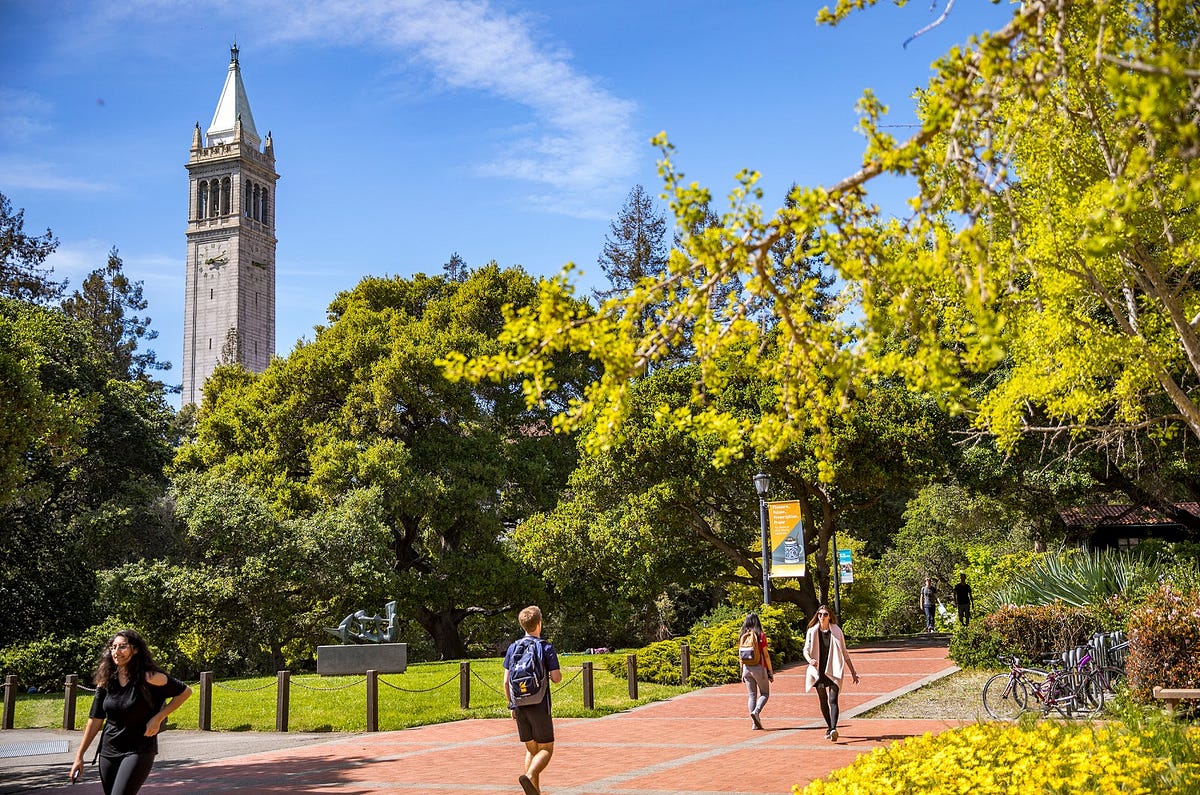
(133, 699)
(757, 672)
(530, 665)
(962, 595)
(928, 602)
(828, 659)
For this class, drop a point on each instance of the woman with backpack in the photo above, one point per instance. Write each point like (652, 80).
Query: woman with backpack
(825, 650)
(756, 666)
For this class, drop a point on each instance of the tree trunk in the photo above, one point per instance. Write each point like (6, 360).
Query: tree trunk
(276, 656)
(443, 629)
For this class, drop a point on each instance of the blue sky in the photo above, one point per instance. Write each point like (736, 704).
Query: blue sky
(406, 130)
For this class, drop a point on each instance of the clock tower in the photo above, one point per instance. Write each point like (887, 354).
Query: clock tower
(229, 300)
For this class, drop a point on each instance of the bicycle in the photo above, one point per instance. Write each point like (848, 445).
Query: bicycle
(1106, 664)
(1061, 689)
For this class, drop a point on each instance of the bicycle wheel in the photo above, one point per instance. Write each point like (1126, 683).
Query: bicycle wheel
(1090, 695)
(1110, 680)
(1005, 697)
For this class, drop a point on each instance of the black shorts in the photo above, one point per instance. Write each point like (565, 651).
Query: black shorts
(535, 723)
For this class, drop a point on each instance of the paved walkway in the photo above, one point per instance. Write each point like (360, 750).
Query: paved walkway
(700, 743)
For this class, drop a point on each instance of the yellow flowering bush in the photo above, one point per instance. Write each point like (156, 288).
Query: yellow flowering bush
(1027, 759)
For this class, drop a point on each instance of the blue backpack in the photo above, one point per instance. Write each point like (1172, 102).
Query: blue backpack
(527, 677)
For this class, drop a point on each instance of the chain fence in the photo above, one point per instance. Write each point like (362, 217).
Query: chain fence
(303, 686)
(454, 678)
(283, 682)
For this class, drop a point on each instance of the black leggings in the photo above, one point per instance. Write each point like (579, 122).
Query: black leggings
(827, 695)
(124, 775)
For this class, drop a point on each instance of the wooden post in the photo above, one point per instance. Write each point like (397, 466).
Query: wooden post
(283, 680)
(10, 701)
(204, 721)
(631, 674)
(464, 685)
(70, 691)
(372, 700)
(589, 693)
(685, 663)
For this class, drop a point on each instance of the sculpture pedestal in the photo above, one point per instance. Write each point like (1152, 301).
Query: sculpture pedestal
(386, 658)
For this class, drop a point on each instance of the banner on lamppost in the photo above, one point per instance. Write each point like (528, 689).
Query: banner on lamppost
(787, 539)
(845, 566)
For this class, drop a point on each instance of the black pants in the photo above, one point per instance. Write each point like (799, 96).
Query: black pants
(124, 775)
(827, 695)
(964, 614)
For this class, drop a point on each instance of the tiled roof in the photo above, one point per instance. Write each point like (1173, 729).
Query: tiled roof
(1129, 515)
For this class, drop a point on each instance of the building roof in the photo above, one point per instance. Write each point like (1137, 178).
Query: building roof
(1122, 515)
(233, 105)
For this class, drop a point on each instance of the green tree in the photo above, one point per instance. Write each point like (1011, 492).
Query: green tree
(635, 248)
(82, 471)
(456, 268)
(947, 530)
(23, 274)
(1054, 232)
(365, 405)
(108, 302)
(653, 512)
(247, 589)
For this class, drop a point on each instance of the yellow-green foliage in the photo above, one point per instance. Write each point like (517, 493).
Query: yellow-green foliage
(713, 653)
(1027, 759)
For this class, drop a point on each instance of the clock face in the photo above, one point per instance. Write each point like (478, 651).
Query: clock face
(213, 254)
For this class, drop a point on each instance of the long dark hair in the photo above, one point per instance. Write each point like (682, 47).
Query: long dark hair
(752, 624)
(816, 620)
(140, 664)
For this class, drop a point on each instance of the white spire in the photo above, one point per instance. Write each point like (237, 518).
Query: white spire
(233, 105)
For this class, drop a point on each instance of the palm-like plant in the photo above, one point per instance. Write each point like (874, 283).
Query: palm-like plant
(1080, 579)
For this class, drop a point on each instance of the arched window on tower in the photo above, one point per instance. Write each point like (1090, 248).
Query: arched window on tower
(246, 191)
(201, 199)
(256, 212)
(226, 196)
(265, 217)
(214, 198)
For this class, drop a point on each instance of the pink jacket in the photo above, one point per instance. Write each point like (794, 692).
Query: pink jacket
(839, 658)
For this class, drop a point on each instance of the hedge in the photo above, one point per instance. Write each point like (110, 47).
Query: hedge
(1164, 648)
(712, 653)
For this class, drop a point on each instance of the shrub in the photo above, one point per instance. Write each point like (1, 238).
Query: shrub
(1080, 579)
(1041, 630)
(712, 652)
(1002, 758)
(976, 646)
(1164, 638)
(44, 663)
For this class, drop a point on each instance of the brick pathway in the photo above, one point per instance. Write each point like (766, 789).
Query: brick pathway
(700, 743)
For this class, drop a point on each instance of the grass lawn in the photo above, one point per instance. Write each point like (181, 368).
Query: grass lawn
(958, 696)
(428, 693)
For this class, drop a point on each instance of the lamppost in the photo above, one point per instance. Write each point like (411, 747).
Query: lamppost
(837, 580)
(762, 484)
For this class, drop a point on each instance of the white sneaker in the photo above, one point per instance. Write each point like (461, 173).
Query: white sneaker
(833, 735)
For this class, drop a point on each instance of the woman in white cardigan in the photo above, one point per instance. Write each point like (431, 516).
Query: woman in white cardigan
(825, 650)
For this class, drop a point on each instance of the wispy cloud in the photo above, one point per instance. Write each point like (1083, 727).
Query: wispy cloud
(21, 173)
(576, 150)
(23, 115)
(76, 259)
(580, 141)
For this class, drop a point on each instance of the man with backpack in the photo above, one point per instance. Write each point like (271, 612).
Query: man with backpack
(530, 666)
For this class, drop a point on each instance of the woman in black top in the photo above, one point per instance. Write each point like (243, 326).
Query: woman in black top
(133, 699)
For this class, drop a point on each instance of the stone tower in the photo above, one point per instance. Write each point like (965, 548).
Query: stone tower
(229, 310)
